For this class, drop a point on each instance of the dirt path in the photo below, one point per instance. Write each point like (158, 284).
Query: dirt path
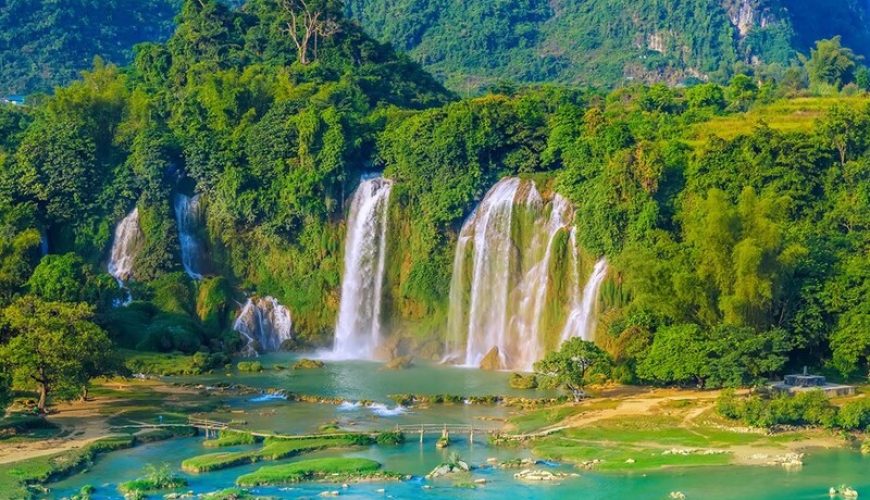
(81, 423)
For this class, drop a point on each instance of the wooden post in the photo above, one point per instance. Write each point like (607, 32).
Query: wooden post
(421, 433)
(471, 435)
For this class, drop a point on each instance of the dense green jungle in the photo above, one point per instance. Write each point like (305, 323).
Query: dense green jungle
(318, 231)
(733, 257)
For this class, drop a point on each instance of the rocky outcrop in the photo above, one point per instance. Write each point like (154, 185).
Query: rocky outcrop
(536, 475)
(491, 361)
(448, 468)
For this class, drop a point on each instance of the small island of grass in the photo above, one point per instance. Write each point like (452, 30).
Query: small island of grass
(337, 469)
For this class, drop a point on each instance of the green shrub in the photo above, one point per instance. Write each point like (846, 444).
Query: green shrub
(855, 415)
(249, 366)
(390, 438)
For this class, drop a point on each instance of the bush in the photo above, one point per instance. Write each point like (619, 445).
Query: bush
(250, 366)
(728, 405)
(390, 438)
(855, 415)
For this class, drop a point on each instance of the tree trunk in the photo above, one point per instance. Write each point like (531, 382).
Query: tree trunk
(43, 395)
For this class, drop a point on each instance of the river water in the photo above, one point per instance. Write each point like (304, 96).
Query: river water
(355, 381)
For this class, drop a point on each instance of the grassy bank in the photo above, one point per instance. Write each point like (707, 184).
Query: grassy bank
(23, 479)
(336, 469)
(230, 438)
(272, 449)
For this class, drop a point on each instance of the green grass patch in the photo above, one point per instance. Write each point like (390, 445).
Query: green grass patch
(17, 477)
(156, 479)
(272, 449)
(786, 115)
(537, 419)
(619, 456)
(306, 470)
(230, 438)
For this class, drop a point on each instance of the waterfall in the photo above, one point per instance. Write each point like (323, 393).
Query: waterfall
(188, 217)
(358, 331)
(581, 322)
(506, 304)
(264, 324)
(128, 237)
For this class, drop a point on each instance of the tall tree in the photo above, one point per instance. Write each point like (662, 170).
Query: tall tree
(55, 347)
(309, 20)
(831, 64)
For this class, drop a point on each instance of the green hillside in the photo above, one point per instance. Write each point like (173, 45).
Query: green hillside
(608, 42)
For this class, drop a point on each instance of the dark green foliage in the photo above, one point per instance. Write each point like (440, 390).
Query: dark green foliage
(804, 408)
(46, 44)
(726, 356)
(68, 278)
(605, 42)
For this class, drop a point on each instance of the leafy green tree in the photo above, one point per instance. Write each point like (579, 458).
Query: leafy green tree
(831, 64)
(706, 96)
(741, 92)
(55, 347)
(679, 354)
(572, 364)
(68, 278)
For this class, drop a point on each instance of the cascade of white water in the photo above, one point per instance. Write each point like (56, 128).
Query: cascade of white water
(125, 244)
(536, 283)
(507, 301)
(490, 233)
(358, 331)
(581, 321)
(265, 324)
(188, 218)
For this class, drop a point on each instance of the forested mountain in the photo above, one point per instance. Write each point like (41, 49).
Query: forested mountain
(470, 45)
(735, 246)
(608, 42)
(47, 43)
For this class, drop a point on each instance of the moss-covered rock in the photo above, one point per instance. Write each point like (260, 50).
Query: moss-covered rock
(400, 363)
(520, 381)
(308, 364)
(491, 361)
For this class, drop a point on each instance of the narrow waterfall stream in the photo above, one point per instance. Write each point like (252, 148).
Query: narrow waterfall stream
(188, 218)
(515, 290)
(581, 322)
(264, 324)
(125, 245)
(358, 331)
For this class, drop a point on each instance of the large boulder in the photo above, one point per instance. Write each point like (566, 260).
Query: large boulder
(491, 361)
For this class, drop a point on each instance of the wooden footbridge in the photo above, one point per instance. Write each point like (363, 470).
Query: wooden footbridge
(443, 429)
(214, 427)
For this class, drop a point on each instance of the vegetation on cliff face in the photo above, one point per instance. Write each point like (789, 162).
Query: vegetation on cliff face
(608, 42)
(740, 255)
(472, 45)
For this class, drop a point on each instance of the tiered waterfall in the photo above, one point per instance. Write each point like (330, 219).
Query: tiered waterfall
(358, 332)
(515, 285)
